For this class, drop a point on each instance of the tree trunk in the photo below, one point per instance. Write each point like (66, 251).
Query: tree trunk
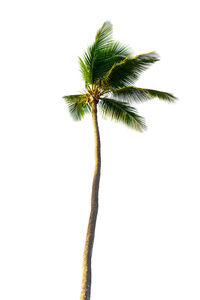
(87, 256)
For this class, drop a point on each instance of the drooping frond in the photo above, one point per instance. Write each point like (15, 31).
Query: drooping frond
(127, 71)
(122, 112)
(78, 106)
(134, 94)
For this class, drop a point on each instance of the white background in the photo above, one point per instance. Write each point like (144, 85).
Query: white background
(147, 240)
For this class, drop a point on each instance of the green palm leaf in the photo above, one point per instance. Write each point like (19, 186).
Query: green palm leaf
(103, 39)
(102, 55)
(107, 57)
(128, 71)
(78, 106)
(103, 36)
(85, 72)
(122, 112)
(134, 94)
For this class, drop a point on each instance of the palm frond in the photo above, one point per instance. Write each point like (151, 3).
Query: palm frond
(102, 55)
(103, 39)
(128, 71)
(107, 58)
(134, 94)
(78, 106)
(122, 112)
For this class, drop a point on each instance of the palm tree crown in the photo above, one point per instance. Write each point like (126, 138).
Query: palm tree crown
(110, 72)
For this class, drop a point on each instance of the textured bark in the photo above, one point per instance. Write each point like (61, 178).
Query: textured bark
(87, 256)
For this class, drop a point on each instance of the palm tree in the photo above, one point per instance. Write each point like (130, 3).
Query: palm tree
(109, 72)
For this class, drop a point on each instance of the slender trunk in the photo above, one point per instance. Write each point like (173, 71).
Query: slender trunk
(87, 256)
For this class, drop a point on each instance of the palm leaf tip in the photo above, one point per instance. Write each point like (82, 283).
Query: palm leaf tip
(104, 34)
(168, 97)
(153, 55)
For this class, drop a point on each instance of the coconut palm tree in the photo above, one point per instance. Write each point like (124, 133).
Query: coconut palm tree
(109, 72)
